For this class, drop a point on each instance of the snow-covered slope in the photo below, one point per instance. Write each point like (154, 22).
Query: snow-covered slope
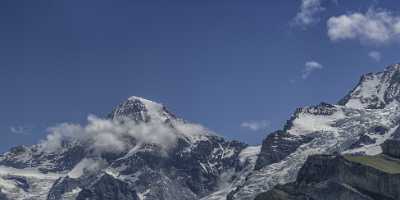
(375, 90)
(143, 151)
(140, 109)
(338, 132)
(364, 119)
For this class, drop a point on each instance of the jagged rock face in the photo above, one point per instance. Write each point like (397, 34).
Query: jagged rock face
(185, 172)
(21, 157)
(62, 186)
(391, 148)
(278, 146)
(336, 177)
(363, 141)
(197, 165)
(351, 127)
(141, 110)
(108, 188)
(191, 171)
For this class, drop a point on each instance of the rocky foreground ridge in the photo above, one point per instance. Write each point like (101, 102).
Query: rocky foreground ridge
(345, 177)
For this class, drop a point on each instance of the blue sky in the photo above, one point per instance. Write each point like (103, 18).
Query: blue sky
(239, 68)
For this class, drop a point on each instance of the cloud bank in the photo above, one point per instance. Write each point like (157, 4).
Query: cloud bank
(104, 135)
(309, 68)
(374, 26)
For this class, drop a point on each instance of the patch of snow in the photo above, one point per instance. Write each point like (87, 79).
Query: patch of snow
(154, 110)
(7, 184)
(86, 165)
(28, 172)
(203, 166)
(73, 194)
(332, 133)
(112, 172)
(307, 123)
(249, 154)
(142, 195)
(375, 148)
(369, 89)
(39, 183)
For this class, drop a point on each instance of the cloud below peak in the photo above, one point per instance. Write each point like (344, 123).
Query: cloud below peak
(105, 135)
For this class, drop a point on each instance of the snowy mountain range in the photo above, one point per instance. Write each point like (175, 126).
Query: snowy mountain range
(143, 151)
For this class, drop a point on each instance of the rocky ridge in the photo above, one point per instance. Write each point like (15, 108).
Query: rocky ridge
(344, 177)
(74, 162)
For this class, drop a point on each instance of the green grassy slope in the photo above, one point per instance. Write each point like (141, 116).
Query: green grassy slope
(380, 162)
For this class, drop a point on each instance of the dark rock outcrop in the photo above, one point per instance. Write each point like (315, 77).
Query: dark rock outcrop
(62, 186)
(391, 148)
(277, 146)
(362, 141)
(108, 188)
(326, 177)
(3, 196)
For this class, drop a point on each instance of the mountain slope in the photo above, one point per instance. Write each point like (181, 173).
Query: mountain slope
(362, 121)
(345, 177)
(375, 90)
(142, 151)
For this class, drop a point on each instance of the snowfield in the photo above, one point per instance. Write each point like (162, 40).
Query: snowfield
(142, 150)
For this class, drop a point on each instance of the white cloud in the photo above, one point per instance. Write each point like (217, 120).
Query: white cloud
(375, 55)
(374, 26)
(104, 135)
(308, 13)
(309, 67)
(255, 125)
(19, 130)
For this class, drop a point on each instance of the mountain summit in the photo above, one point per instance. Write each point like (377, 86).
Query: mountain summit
(140, 109)
(142, 151)
(362, 121)
(375, 90)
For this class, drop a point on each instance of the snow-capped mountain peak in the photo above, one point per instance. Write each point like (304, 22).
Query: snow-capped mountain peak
(142, 151)
(375, 90)
(141, 110)
(363, 120)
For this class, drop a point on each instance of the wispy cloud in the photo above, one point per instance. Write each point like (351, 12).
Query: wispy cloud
(255, 125)
(308, 13)
(374, 26)
(375, 55)
(19, 130)
(309, 68)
